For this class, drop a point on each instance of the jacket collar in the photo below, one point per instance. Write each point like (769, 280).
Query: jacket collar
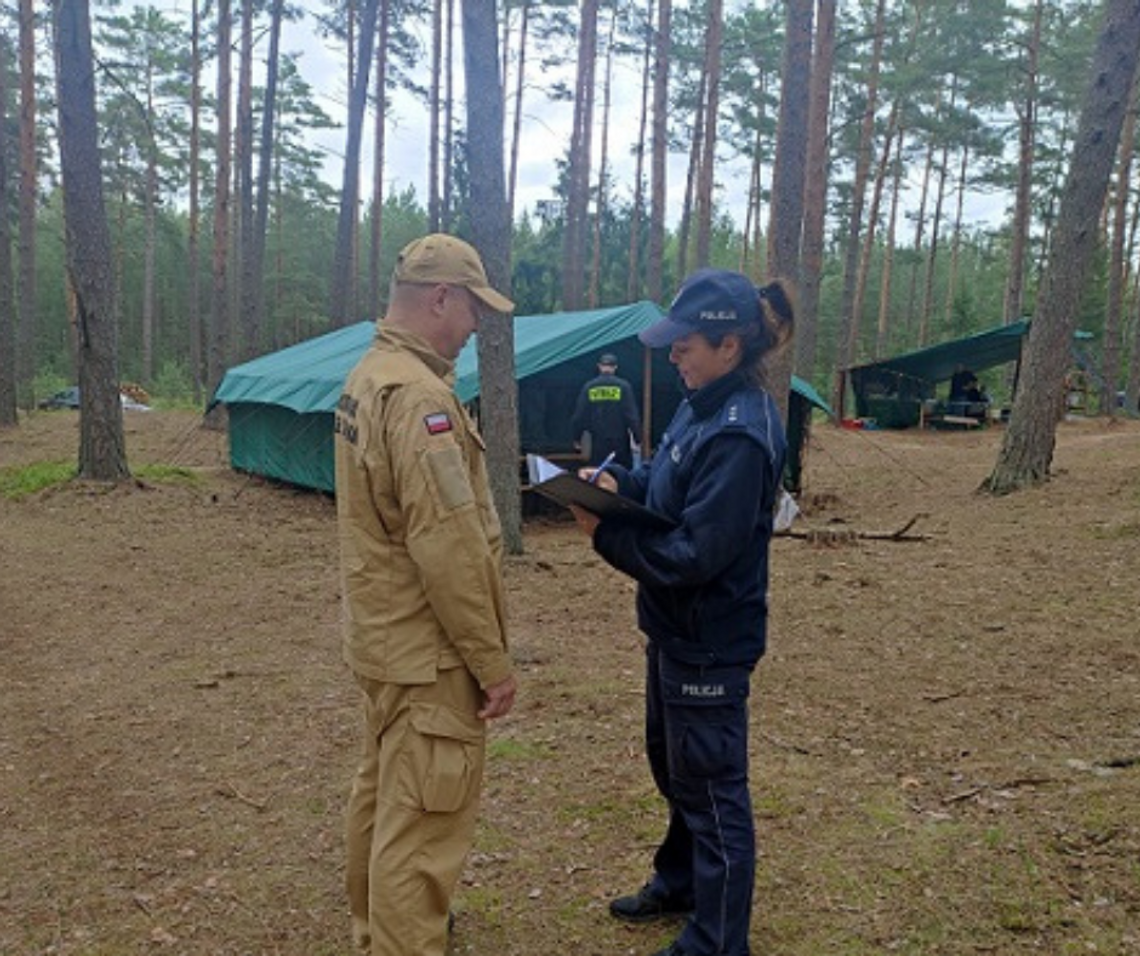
(394, 338)
(709, 398)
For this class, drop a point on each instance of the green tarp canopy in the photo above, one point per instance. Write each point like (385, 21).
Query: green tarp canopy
(892, 390)
(281, 405)
(938, 362)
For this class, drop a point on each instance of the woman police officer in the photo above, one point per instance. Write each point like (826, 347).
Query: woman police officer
(702, 599)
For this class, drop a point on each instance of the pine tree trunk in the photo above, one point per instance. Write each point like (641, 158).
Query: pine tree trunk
(243, 162)
(26, 279)
(102, 446)
(785, 230)
(633, 282)
(956, 240)
(220, 316)
(8, 412)
(1027, 125)
(375, 277)
(1131, 341)
(260, 224)
(344, 272)
(883, 328)
(516, 131)
(684, 229)
(433, 115)
(868, 251)
(491, 227)
(758, 256)
(746, 263)
(1132, 391)
(447, 214)
(194, 292)
(926, 311)
(847, 327)
(654, 276)
(714, 40)
(927, 308)
(603, 172)
(1027, 449)
(150, 226)
(578, 187)
(919, 231)
(815, 189)
(1114, 308)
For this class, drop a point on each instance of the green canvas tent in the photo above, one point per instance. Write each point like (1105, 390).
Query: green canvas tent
(281, 405)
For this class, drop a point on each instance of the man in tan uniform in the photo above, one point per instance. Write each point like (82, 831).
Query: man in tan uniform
(425, 636)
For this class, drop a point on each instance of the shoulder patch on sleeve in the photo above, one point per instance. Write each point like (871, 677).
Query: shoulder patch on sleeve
(437, 423)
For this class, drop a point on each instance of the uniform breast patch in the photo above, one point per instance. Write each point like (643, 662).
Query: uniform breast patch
(437, 423)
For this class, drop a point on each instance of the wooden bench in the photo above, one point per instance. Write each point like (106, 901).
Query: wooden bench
(952, 421)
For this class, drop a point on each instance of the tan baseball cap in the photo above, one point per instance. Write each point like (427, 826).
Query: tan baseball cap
(441, 258)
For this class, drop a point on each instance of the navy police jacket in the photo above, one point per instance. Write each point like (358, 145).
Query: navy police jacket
(703, 585)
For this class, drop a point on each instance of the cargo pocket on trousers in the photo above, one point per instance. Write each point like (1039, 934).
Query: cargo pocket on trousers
(707, 719)
(447, 756)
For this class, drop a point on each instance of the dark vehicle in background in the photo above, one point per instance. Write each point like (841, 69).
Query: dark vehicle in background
(132, 396)
(68, 398)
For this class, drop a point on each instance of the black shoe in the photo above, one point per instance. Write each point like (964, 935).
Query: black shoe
(646, 906)
(673, 949)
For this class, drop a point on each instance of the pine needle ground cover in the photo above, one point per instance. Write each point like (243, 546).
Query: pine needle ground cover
(945, 741)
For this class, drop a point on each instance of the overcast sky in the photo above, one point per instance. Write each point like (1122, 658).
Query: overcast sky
(545, 131)
(545, 136)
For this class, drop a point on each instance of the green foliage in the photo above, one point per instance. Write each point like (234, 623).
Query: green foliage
(168, 475)
(402, 220)
(299, 117)
(535, 263)
(517, 750)
(19, 481)
(48, 381)
(54, 348)
(753, 44)
(173, 386)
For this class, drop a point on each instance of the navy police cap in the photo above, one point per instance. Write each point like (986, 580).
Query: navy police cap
(711, 301)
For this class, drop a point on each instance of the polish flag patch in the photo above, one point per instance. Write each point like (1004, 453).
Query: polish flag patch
(438, 423)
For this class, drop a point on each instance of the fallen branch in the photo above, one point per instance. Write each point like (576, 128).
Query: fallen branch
(1120, 763)
(997, 788)
(831, 537)
(939, 698)
(229, 790)
(1026, 782)
(963, 795)
(772, 738)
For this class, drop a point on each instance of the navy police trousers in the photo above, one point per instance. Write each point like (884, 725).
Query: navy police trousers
(696, 732)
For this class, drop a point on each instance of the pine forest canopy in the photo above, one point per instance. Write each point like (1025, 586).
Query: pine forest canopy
(938, 110)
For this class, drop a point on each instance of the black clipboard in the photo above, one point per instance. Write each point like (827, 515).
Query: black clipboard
(568, 489)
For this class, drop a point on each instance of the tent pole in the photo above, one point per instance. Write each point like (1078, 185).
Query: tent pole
(646, 400)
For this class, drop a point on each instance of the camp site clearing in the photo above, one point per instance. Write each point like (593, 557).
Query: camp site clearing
(945, 733)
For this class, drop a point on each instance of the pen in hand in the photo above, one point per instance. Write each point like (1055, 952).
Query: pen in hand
(602, 467)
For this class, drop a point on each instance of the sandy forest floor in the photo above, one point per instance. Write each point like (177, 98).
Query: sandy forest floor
(946, 732)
